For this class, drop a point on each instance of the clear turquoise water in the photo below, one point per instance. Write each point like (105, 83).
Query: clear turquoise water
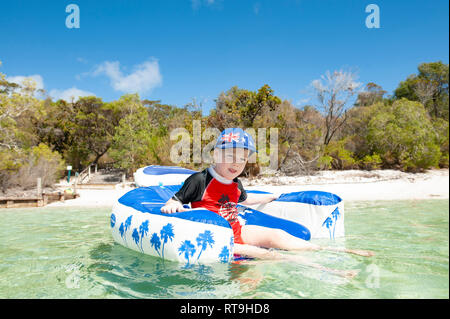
(69, 253)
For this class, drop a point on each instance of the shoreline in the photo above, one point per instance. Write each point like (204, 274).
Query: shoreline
(350, 185)
(354, 185)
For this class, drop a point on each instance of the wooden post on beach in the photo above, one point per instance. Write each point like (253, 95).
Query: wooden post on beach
(39, 192)
(39, 187)
(61, 196)
(123, 180)
(76, 182)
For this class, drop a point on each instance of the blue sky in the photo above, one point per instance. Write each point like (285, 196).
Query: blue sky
(175, 51)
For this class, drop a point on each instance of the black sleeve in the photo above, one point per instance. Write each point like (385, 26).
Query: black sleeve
(243, 196)
(190, 190)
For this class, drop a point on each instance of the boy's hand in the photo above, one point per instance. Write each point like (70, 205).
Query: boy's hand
(172, 206)
(275, 196)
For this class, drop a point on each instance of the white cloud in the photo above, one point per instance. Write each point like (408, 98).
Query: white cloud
(68, 94)
(303, 101)
(20, 78)
(144, 78)
(82, 60)
(198, 3)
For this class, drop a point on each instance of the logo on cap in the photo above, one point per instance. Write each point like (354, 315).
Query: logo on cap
(230, 137)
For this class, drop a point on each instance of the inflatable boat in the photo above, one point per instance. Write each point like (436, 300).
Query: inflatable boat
(156, 175)
(202, 236)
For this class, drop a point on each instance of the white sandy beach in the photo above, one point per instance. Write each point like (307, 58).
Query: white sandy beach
(351, 185)
(354, 185)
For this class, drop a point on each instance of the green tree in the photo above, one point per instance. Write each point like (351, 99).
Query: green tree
(133, 140)
(5, 86)
(441, 129)
(371, 95)
(93, 125)
(429, 86)
(17, 106)
(355, 130)
(262, 101)
(57, 129)
(403, 135)
(22, 157)
(240, 107)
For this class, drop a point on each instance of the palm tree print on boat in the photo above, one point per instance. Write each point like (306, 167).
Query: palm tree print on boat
(143, 229)
(135, 236)
(224, 255)
(166, 234)
(124, 227)
(113, 220)
(328, 223)
(188, 249)
(122, 230)
(155, 242)
(335, 215)
(128, 222)
(203, 240)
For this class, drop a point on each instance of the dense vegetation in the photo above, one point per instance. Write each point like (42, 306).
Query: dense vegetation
(348, 128)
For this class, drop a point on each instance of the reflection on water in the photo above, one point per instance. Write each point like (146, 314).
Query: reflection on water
(125, 273)
(69, 253)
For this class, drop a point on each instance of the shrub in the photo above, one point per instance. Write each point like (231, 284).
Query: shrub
(324, 162)
(403, 135)
(441, 129)
(370, 162)
(9, 164)
(39, 161)
(342, 158)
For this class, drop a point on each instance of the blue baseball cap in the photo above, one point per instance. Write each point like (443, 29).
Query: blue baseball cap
(235, 138)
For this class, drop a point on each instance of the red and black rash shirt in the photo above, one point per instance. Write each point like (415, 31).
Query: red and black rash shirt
(211, 191)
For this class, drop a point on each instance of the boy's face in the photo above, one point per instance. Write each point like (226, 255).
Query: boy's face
(230, 162)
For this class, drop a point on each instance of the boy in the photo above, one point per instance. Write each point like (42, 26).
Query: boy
(218, 189)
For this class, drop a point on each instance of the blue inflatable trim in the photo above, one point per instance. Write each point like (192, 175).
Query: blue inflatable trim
(151, 199)
(160, 170)
(257, 192)
(311, 197)
(255, 217)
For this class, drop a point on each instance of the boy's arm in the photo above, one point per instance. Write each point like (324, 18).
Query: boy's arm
(253, 199)
(186, 194)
